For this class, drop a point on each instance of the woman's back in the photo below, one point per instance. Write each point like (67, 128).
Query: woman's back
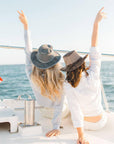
(88, 91)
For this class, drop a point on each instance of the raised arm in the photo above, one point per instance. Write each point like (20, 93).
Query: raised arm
(99, 17)
(28, 46)
(23, 19)
(95, 56)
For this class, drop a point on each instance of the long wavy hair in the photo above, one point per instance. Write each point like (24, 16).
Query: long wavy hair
(50, 81)
(73, 77)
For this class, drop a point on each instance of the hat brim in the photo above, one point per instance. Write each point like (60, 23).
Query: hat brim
(47, 65)
(72, 67)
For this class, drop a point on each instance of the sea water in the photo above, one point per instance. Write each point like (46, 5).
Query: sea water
(15, 82)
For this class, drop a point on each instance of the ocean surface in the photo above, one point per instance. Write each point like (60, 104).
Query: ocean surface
(15, 82)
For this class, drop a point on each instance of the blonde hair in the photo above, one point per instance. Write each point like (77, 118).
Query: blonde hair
(50, 81)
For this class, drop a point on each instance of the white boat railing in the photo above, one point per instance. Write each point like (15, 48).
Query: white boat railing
(59, 50)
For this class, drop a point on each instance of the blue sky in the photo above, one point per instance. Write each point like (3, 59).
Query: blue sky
(66, 24)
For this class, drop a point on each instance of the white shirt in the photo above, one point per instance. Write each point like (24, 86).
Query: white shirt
(41, 100)
(86, 100)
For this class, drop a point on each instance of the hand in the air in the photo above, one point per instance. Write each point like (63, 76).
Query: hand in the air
(100, 15)
(23, 19)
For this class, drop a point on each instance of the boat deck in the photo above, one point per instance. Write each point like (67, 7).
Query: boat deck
(68, 133)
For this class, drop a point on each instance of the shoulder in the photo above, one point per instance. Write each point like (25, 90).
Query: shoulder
(95, 54)
(68, 88)
(92, 80)
(93, 75)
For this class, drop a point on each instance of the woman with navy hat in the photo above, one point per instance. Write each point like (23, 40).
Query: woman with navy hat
(43, 71)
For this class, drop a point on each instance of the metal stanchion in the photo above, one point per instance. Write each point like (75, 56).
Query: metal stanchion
(29, 112)
(29, 127)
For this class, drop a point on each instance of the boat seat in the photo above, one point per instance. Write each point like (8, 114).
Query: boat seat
(8, 115)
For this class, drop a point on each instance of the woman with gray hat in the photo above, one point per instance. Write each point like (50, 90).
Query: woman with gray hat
(46, 79)
(85, 105)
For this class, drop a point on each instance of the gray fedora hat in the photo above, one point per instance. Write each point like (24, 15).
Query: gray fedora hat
(45, 57)
(73, 60)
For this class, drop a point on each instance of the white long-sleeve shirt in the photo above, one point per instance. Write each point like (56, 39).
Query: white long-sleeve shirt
(41, 100)
(87, 98)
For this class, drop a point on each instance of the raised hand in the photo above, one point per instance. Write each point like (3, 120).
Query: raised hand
(100, 15)
(23, 19)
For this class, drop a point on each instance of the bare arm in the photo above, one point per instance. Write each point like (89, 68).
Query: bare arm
(99, 17)
(80, 135)
(95, 63)
(94, 41)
